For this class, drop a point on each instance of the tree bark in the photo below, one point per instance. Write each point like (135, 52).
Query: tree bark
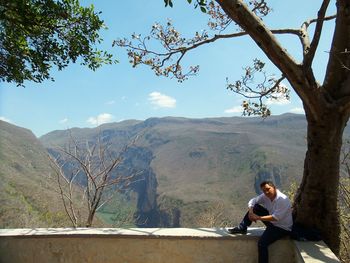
(316, 200)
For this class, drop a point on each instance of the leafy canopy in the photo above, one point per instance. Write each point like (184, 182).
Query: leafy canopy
(37, 34)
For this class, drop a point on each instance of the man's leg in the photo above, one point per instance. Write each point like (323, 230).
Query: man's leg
(242, 227)
(258, 210)
(270, 235)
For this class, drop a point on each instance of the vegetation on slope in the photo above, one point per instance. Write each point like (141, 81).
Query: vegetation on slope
(27, 196)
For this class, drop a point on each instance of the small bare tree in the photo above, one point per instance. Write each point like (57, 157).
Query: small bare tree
(85, 170)
(214, 216)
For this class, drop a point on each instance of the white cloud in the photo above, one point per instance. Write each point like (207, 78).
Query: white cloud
(111, 102)
(297, 110)
(161, 100)
(235, 109)
(5, 119)
(100, 119)
(280, 100)
(63, 121)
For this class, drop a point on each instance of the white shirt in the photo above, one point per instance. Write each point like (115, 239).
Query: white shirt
(280, 208)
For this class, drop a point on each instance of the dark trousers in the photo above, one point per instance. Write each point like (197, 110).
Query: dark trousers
(271, 234)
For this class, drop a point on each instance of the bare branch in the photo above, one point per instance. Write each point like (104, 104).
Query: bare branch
(310, 54)
(69, 208)
(308, 51)
(175, 49)
(127, 180)
(85, 167)
(107, 200)
(336, 72)
(218, 21)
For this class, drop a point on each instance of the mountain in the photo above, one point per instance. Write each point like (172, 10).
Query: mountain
(189, 168)
(27, 196)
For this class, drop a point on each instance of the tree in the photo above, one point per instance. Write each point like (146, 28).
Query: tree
(86, 173)
(213, 216)
(36, 35)
(326, 105)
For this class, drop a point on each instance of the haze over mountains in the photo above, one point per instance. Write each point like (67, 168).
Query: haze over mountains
(187, 166)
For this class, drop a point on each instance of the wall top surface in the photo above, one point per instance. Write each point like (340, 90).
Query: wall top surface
(219, 233)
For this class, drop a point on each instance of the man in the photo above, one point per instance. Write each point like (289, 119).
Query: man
(273, 208)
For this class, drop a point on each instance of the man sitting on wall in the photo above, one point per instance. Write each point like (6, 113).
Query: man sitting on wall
(273, 208)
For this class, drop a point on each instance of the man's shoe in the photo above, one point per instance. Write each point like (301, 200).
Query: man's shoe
(237, 230)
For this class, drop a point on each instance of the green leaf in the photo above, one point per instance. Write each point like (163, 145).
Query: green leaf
(202, 2)
(203, 9)
(168, 2)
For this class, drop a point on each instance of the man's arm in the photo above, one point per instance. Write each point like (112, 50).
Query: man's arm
(268, 218)
(255, 217)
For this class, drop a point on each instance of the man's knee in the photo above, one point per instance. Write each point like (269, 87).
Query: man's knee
(260, 210)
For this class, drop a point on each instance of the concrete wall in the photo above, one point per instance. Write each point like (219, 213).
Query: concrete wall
(136, 245)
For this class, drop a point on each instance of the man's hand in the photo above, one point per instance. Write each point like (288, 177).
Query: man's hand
(253, 217)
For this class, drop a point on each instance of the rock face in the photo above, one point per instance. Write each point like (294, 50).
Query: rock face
(269, 173)
(137, 161)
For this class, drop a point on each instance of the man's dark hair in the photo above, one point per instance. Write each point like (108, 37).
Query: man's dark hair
(267, 182)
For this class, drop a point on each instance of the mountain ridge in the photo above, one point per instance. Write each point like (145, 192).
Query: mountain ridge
(205, 161)
(186, 167)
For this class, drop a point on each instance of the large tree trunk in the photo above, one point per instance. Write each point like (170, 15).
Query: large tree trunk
(316, 200)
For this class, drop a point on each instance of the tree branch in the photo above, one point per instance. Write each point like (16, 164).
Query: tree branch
(267, 42)
(60, 174)
(310, 54)
(257, 85)
(339, 60)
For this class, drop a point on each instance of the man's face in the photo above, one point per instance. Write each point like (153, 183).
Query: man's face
(269, 191)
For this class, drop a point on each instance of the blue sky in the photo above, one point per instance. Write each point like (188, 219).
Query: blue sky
(80, 97)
